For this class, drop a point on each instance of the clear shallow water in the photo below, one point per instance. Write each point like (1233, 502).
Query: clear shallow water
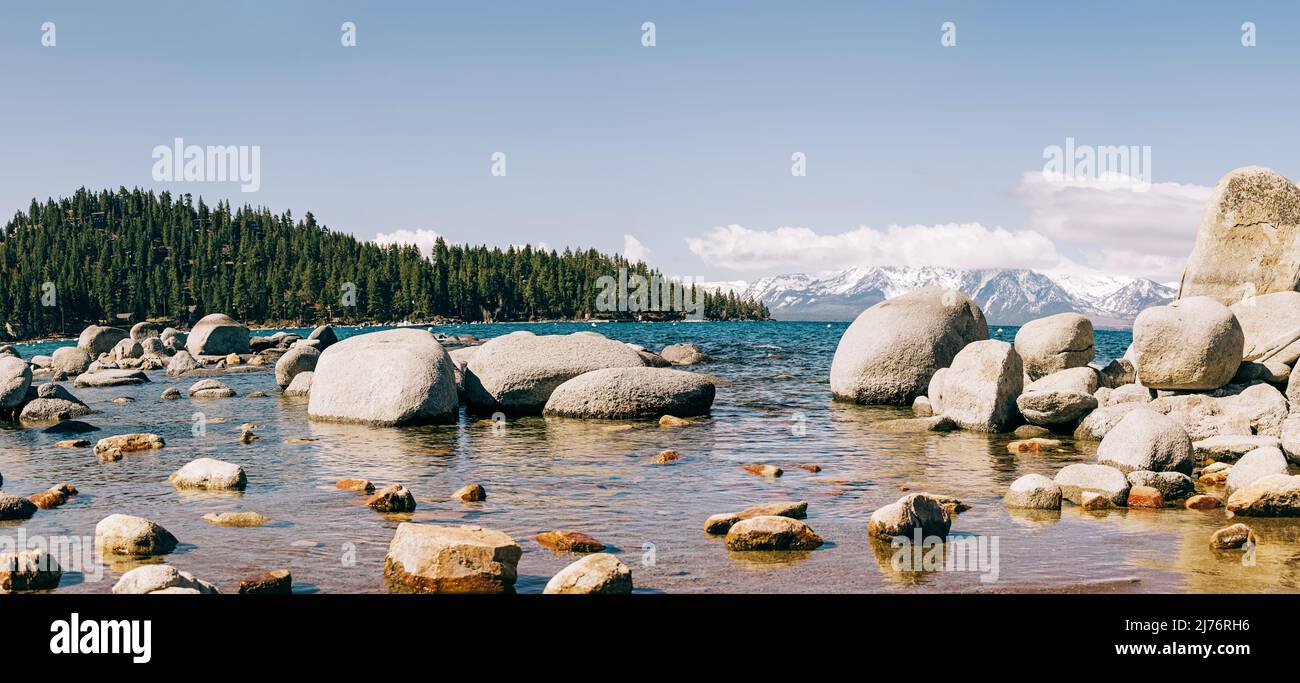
(773, 406)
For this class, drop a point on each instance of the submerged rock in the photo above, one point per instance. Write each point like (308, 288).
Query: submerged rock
(111, 378)
(355, 485)
(274, 582)
(915, 425)
(599, 574)
(28, 570)
(1232, 537)
(629, 393)
(392, 498)
(684, 354)
(160, 578)
(891, 351)
(1034, 491)
(569, 542)
(916, 511)
(13, 507)
(388, 378)
(130, 443)
(239, 519)
(771, 532)
(128, 535)
(429, 558)
(210, 388)
(211, 474)
(471, 493)
(1105, 480)
(722, 522)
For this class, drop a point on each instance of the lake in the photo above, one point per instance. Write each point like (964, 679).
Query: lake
(773, 406)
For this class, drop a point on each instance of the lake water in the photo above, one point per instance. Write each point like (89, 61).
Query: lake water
(773, 406)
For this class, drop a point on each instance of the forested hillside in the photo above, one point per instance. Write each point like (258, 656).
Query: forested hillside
(134, 254)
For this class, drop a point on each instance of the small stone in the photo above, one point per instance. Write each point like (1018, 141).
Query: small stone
(764, 470)
(161, 579)
(392, 498)
(913, 512)
(673, 421)
(109, 454)
(128, 535)
(810, 468)
(355, 485)
(429, 558)
(278, 581)
(243, 519)
(471, 493)
(256, 394)
(246, 437)
(232, 359)
(771, 532)
(130, 443)
(1034, 445)
(1034, 491)
(1091, 500)
(1232, 537)
(72, 443)
(171, 394)
(569, 542)
(28, 570)
(210, 388)
(1031, 432)
(664, 457)
(1145, 497)
(1203, 502)
(122, 399)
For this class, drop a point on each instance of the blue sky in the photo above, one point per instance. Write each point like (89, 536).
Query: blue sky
(607, 139)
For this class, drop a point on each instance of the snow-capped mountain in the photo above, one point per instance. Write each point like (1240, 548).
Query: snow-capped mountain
(1007, 296)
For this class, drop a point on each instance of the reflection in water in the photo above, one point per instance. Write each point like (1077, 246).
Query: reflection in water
(601, 478)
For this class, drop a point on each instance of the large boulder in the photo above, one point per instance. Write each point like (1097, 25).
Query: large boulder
(1061, 397)
(53, 402)
(1193, 343)
(128, 535)
(1232, 446)
(182, 363)
(295, 360)
(428, 558)
(1269, 322)
(70, 360)
(217, 334)
(98, 339)
(144, 330)
(127, 348)
(1057, 342)
(387, 378)
(891, 351)
(1255, 465)
(1261, 406)
(324, 336)
(1248, 243)
(980, 387)
(1147, 440)
(1277, 495)
(517, 372)
(15, 378)
(1104, 480)
(599, 574)
(628, 393)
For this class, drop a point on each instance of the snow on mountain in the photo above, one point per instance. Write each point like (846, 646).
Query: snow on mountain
(1007, 296)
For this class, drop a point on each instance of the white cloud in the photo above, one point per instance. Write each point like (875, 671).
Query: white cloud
(424, 239)
(1148, 233)
(955, 245)
(634, 251)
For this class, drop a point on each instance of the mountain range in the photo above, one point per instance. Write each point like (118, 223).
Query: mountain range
(1007, 296)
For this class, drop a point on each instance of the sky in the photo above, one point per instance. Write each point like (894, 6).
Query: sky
(683, 153)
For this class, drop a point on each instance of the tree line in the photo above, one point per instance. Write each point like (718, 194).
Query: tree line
(132, 255)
